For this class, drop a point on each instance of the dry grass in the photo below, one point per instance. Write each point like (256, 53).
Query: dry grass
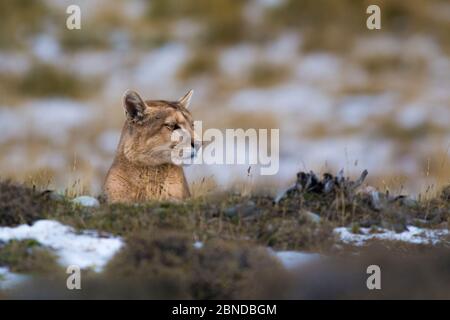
(222, 19)
(27, 256)
(13, 30)
(337, 31)
(204, 187)
(265, 74)
(159, 260)
(203, 63)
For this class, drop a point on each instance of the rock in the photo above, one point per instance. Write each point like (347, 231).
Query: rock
(396, 226)
(290, 192)
(56, 196)
(437, 219)
(249, 209)
(313, 217)
(86, 201)
(420, 222)
(375, 200)
(52, 195)
(409, 202)
(445, 193)
(399, 227)
(328, 183)
(311, 183)
(230, 212)
(198, 244)
(244, 210)
(367, 223)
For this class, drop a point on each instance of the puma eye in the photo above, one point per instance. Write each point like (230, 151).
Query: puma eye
(171, 126)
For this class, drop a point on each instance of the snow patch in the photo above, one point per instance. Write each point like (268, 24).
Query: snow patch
(356, 110)
(46, 47)
(198, 244)
(86, 201)
(86, 250)
(284, 49)
(319, 68)
(299, 99)
(412, 235)
(158, 68)
(10, 279)
(237, 60)
(14, 63)
(294, 259)
(47, 118)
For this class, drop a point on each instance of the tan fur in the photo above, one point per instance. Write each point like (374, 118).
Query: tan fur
(142, 169)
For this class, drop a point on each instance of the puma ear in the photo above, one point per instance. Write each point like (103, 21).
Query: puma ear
(185, 101)
(134, 105)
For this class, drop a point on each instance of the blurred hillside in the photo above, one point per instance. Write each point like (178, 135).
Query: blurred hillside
(343, 96)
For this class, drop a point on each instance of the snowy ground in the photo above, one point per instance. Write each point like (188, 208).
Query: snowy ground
(9, 279)
(295, 259)
(90, 250)
(86, 250)
(331, 109)
(412, 235)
